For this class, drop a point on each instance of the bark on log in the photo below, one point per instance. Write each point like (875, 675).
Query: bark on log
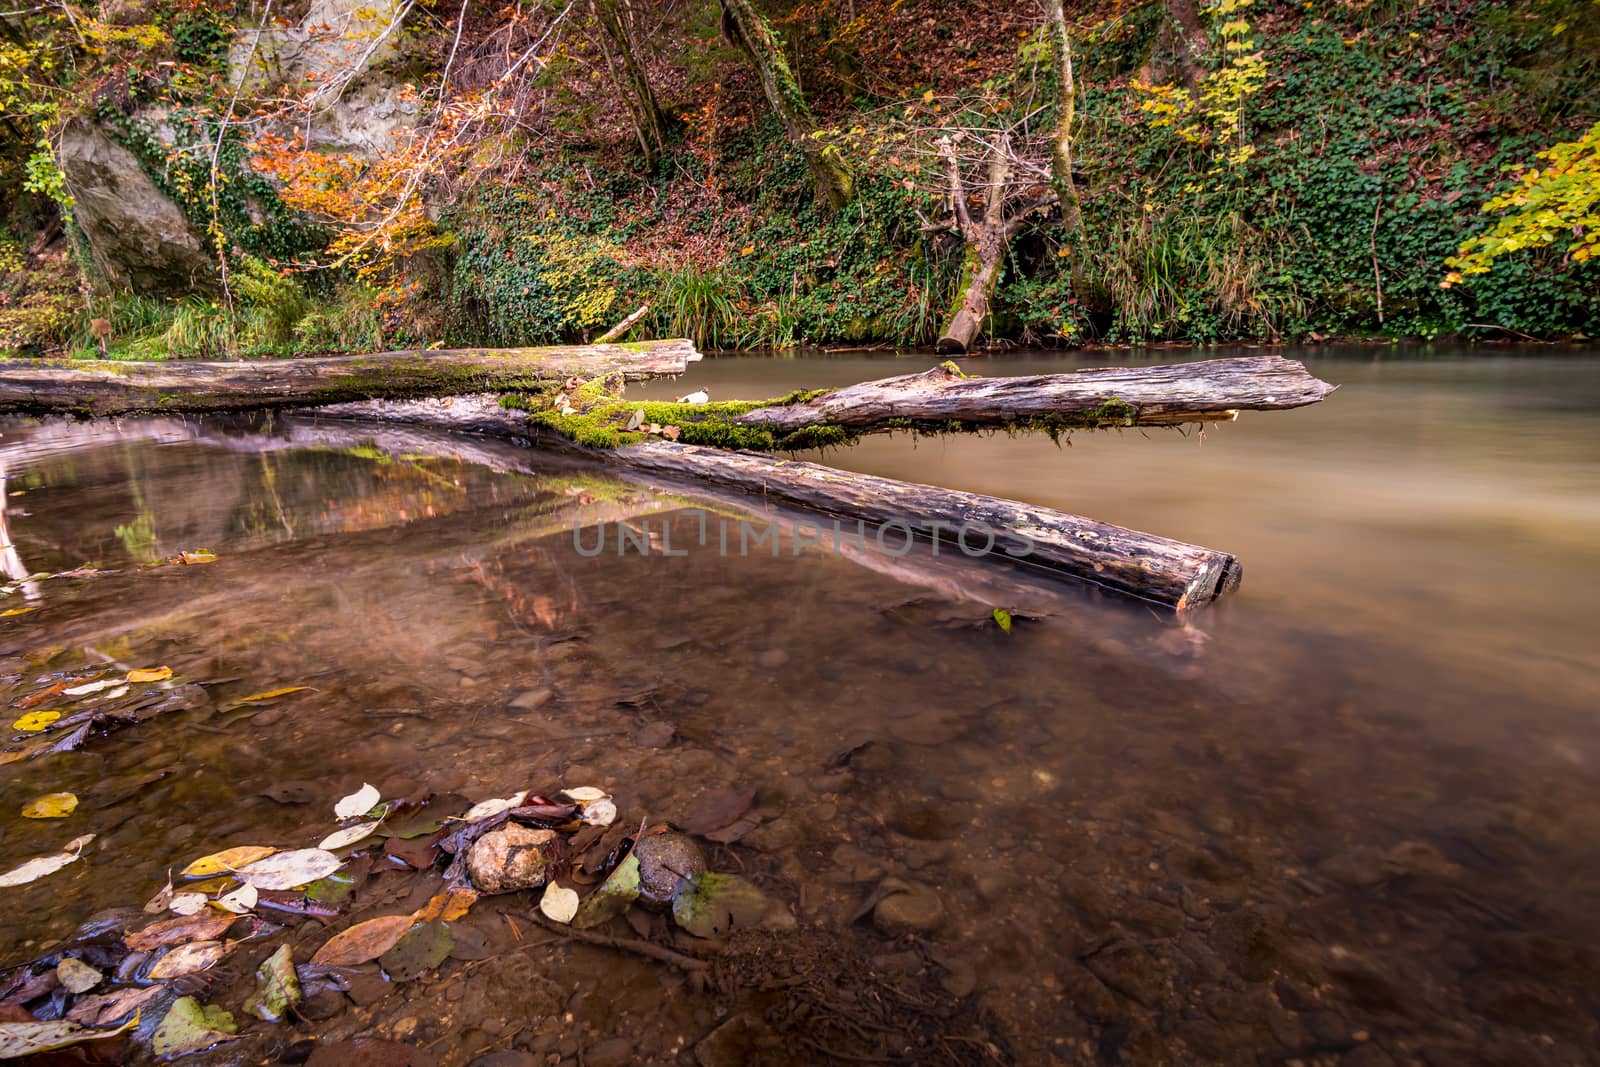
(1155, 569)
(1212, 390)
(99, 388)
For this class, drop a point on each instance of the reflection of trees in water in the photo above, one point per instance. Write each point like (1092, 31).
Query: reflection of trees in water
(10, 559)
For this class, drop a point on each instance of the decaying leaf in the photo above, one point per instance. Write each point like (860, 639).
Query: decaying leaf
(50, 806)
(188, 1027)
(24, 1039)
(149, 674)
(448, 906)
(559, 903)
(239, 901)
(229, 859)
(602, 812)
(278, 987)
(187, 903)
(205, 926)
(187, 959)
(91, 687)
(360, 802)
(40, 866)
(419, 951)
(348, 836)
(613, 896)
(290, 870)
(76, 975)
(715, 905)
(35, 721)
(584, 793)
(488, 808)
(108, 1009)
(363, 942)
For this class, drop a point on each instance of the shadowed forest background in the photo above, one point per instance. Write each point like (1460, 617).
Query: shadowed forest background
(188, 179)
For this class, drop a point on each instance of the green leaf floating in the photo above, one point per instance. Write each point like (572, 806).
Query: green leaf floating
(715, 905)
(278, 989)
(189, 1027)
(1002, 619)
(613, 896)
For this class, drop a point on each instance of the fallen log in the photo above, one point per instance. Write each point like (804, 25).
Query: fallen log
(1154, 569)
(892, 514)
(1212, 390)
(943, 399)
(104, 387)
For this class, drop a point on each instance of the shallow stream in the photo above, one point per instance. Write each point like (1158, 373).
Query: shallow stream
(1346, 816)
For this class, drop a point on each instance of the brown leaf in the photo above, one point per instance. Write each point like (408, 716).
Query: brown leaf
(364, 941)
(205, 926)
(187, 959)
(715, 809)
(108, 1009)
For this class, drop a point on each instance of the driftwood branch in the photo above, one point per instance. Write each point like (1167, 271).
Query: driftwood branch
(97, 387)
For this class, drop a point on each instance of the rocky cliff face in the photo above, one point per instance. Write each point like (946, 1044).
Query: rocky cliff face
(138, 237)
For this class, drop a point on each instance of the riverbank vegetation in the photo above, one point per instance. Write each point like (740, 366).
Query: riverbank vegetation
(220, 180)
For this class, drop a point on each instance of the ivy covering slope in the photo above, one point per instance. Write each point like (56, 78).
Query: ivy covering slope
(1321, 170)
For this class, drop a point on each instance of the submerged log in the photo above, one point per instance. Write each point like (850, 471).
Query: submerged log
(890, 514)
(99, 387)
(1213, 390)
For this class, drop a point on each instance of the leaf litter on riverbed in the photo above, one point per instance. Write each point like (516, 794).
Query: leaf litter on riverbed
(191, 1027)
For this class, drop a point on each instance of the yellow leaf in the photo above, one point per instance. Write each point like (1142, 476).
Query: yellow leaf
(927, 97)
(747, 249)
(35, 721)
(150, 674)
(15, 611)
(230, 859)
(448, 906)
(271, 693)
(50, 806)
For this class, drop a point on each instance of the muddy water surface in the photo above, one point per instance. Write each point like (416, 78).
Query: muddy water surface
(1346, 817)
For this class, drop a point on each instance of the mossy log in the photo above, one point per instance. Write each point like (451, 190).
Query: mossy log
(104, 387)
(1213, 390)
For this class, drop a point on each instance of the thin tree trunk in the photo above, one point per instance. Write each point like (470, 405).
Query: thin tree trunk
(761, 44)
(1066, 103)
(986, 239)
(617, 44)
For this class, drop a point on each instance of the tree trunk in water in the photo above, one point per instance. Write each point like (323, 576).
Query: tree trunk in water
(105, 387)
(617, 44)
(745, 26)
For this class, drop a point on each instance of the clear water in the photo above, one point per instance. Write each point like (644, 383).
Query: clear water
(1346, 815)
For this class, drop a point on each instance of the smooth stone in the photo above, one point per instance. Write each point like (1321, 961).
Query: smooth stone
(915, 909)
(654, 735)
(772, 659)
(617, 1052)
(533, 698)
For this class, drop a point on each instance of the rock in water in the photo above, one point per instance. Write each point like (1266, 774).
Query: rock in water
(664, 860)
(911, 909)
(513, 857)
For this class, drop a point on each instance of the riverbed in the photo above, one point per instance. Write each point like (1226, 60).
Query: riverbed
(1344, 816)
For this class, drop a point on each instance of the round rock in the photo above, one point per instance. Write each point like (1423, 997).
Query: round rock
(513, 857)
(916, 909)
(664, 860)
